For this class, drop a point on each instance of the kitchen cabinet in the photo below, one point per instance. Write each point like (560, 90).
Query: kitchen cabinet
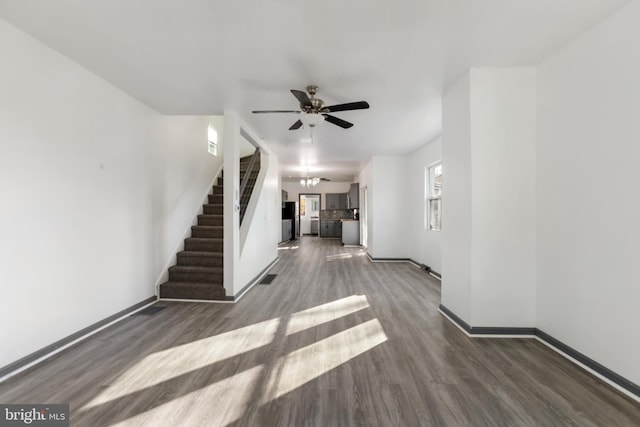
(330, 228)
(331, 201)
(354, 196)
(337, 200)
(314, 227)
(287, 230)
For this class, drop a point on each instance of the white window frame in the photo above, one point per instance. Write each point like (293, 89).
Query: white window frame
(212, 141)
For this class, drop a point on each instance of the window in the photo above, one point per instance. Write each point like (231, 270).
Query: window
(433, 198)
(212, 136)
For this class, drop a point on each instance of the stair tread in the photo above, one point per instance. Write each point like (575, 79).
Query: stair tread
(205, 239)
(196, 269)
(201, 254)
(195, 284)
(208, 227)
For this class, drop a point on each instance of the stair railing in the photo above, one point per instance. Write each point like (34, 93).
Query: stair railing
(245, 181)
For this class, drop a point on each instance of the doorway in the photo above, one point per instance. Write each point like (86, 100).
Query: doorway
(309, 205)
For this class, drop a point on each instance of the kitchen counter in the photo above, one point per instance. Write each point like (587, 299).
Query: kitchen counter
(350, 232)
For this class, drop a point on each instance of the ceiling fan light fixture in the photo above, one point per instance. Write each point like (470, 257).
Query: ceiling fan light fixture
(309, 182)
(311, 119)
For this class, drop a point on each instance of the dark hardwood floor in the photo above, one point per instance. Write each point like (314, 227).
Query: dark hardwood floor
(334, 340)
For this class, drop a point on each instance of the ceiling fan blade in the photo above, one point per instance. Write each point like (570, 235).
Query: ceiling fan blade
(296, 125)
(325, 179)
(336, 121)
(276, 111)
(360, 105)
(302, 97)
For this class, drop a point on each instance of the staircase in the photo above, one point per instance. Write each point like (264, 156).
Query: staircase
(199, 270)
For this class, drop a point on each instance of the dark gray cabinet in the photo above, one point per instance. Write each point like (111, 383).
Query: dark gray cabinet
(336, 201)
(332, 201)
(343, 204)
(287, 230)
(354, 196)
(330, 228)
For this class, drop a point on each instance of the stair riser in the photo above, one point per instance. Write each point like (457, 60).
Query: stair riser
(211, 221)
(218, 189)
(215, 199)
(215, 233)
(204, 261)
(203, 246)
(180, 291)
(192, 276)
(212, 209)
(221, 181)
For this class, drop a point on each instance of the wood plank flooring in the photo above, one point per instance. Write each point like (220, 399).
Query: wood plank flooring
(334, 340)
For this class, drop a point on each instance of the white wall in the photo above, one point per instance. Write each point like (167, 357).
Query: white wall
(588, 209)
(395, 186)
(456, 199)
(496, 145)
(388, 199)
(97, 191)
(503, 225)
(424, 246)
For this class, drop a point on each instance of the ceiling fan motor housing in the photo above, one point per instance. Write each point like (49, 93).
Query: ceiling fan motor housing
(316, 104)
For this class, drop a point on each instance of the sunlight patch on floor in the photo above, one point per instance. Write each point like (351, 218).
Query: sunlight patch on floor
(217, 404)
(338, 256)
(167, 364)
(308, 363)
(288, 248)
(324, 313)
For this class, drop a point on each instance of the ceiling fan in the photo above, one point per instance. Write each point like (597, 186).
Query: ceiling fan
(313, 111)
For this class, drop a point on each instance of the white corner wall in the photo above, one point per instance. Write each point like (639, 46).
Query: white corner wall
(365, 178)
(456, 199)
(252, 248)
(424, 246)
(97, 192)
(503, 220)
(489, 197)
(588, 210)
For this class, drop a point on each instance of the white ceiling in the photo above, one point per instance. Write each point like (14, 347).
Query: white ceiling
(205, 56)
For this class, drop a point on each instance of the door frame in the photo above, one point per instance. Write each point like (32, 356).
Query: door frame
(319, 209)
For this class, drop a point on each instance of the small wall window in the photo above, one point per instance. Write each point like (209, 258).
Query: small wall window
(434, 200)
(212, 137)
